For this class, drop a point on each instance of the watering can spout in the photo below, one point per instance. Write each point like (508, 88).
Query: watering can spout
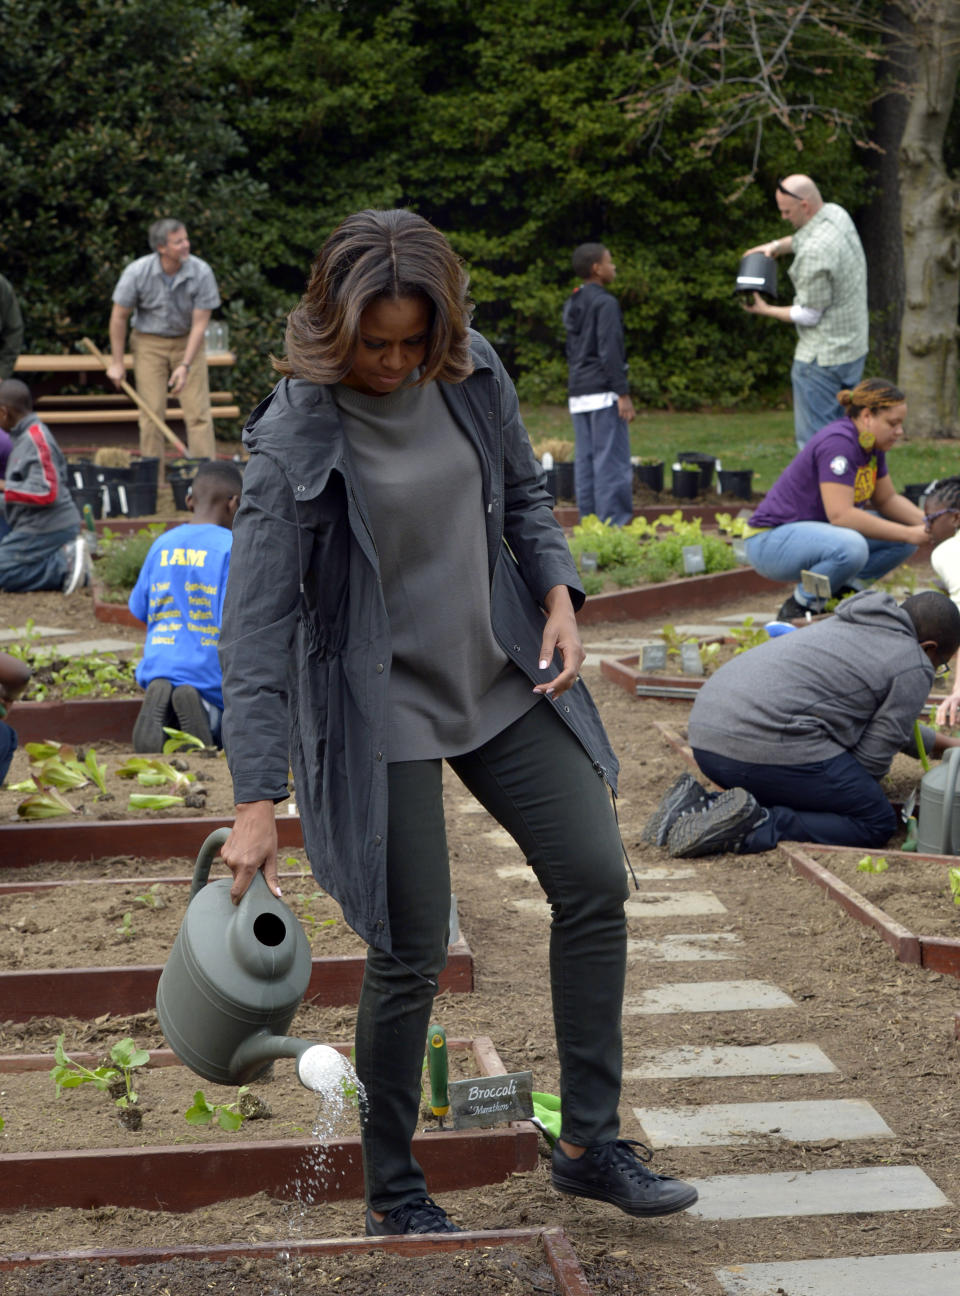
(263, 1047)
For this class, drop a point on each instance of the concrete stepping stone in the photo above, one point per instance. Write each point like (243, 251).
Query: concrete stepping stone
(671, 904)
(932, 1273)
(690, 1061)
(694, 947)
(732, 1124)
(85, 647)
(817, 1192)
(738, 618)
(708, 996)
(656, 904)
(12, 633)
(665, 874)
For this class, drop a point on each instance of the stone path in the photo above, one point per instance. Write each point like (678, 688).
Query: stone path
(873, 1189)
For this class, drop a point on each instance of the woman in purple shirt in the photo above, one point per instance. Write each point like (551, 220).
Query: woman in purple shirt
(834, 509)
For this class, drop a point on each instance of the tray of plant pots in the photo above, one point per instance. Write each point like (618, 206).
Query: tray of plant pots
(910, 900)
(84, 946)
(501, 1262)
(198, 1143)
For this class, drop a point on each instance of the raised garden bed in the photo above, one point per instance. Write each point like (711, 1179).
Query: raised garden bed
(81, 720)
(512, 1262)
(120, 938)
(183, 1177)
(670, 597)
(914, 886)
(159, 838)
(113, 613)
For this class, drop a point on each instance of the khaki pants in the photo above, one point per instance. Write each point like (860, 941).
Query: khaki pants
(154, 360)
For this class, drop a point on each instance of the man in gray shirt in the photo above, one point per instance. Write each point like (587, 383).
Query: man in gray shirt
(170, 295)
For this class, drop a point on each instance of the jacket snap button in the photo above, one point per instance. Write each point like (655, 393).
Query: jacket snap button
(377, 840)
(379, 668)
(567, 709)
(379, 755)
(301, 488)
(516, 647)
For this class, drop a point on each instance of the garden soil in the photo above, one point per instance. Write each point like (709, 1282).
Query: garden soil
(887, 1027)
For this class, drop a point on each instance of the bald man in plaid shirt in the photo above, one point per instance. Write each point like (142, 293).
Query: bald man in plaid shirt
(829, 276)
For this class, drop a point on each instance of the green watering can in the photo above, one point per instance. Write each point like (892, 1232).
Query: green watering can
(234, 979)
(938, 817)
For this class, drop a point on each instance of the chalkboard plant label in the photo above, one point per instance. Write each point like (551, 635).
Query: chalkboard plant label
(491, 1100)
(654, 656)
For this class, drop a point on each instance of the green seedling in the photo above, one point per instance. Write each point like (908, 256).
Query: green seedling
(306, 901)
(748, 636)
(44, 803)
(177, 740)
(96, 771)
(870, 865)
(144, 801)
(151, 897)
(126, 926)
(150, 771)
(921, 748)
(126, 1058)
(2, 1122)
(953, 877)
(227, 1115)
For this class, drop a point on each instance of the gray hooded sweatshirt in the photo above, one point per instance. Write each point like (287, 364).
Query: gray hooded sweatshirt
(855, 682)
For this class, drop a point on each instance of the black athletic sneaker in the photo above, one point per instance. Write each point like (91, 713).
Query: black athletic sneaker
(614, 1173)
(721, 827)
(423, 1216)
(191, 714)
(793, 610)
(155, 712)
(685, 795)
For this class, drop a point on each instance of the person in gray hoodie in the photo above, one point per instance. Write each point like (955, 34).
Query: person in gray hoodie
(800, 730)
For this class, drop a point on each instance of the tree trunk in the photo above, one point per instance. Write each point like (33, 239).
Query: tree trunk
(930, 212)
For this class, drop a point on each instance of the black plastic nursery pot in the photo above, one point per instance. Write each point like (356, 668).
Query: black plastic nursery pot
(736, 481)
(704, 463)
(686, 483)
(649, 475)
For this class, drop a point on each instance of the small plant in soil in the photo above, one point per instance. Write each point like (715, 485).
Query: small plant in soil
(100, 674)
(953, 877)
(229, 1116)
(126, 926)
(151, 897)
(151, 771)
(54, 769)
(177, 740)
(120, 558)
(114, 1077)
(870, 865)
(748, 635)
(732, 526)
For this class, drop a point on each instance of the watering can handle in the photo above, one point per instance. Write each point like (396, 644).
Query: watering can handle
(208, 851)
(949, 791)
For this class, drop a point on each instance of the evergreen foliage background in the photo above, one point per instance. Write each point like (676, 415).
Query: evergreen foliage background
(509, 125)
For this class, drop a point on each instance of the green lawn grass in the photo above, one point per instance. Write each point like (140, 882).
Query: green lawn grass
(760, 440)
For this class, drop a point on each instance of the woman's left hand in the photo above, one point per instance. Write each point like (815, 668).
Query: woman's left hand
(560, 634)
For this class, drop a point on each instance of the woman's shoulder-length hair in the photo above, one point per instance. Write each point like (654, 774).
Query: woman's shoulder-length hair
(375, 254)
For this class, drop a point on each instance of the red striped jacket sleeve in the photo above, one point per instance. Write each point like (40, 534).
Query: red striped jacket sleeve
(51, 482)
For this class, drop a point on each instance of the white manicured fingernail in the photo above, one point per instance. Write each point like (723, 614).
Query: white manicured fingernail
(544, 665)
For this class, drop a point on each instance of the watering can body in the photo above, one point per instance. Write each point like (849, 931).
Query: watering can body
(234, 978)
(938, 817)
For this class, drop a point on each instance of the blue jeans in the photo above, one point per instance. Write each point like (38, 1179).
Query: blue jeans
(602, 471)
(538, 782)
(815, 390)
(29, 561)
(8, 745)
(783, 552)
(794, 796)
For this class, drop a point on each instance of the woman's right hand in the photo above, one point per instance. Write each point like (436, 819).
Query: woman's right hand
(252, 845)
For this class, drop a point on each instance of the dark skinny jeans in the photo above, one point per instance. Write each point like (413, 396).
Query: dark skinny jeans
(538, 782)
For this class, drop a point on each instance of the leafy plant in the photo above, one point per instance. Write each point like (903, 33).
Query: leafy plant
(125, 1057)
(178, 740)
(44, 804)
(953, 877)
(870, 865)
(156, 801)
(227, 1115)
(748, 635)
(126, 926)
(151, 897)
(122, 556)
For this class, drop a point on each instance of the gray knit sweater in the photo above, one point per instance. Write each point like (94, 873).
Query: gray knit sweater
(855, 682)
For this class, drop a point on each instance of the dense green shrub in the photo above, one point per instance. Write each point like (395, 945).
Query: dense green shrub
(644, 553)
(121, 558)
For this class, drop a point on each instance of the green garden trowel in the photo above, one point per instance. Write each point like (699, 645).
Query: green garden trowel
(437, 1071)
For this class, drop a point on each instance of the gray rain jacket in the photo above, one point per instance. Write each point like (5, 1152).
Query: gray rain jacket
(305, 641)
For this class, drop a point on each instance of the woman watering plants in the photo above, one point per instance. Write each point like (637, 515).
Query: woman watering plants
(400, 595)
(834, 509)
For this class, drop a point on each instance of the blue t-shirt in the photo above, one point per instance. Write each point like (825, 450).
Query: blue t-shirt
(179, 594)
